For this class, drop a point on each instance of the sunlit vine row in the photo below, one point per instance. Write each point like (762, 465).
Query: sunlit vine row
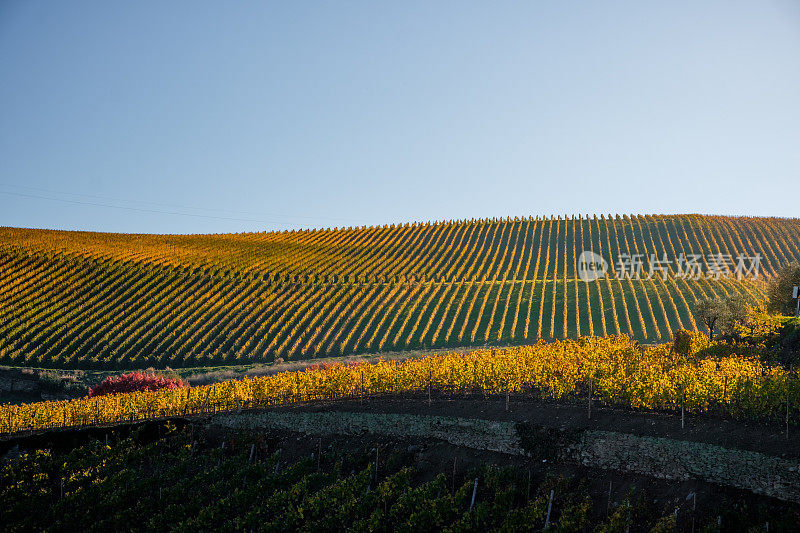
(616, 369)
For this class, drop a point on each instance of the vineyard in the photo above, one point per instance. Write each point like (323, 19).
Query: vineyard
(612, 370)
(176, 487)
(94, 300)
(184, 481)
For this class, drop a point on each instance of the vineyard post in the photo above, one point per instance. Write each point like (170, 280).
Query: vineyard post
(508, 393)
(361, 389)
(319, 455)
(787, 412)
(205, 402)
(725, 389)
(549, 508)
(591, 393)
(474, 376)
(252, 450)
(474, 492)
(296, 387)
(787, 400)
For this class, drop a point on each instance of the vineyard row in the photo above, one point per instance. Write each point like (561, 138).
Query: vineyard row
(614, 369)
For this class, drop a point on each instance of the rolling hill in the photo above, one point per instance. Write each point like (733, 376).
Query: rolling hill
(83, 299)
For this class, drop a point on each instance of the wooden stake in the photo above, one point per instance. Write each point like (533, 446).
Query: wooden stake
(787, 405)
(205, 402)
(474, 492)
(549, 508)
(591, 393)
(725, 389)
(787, 414)
(252, 451)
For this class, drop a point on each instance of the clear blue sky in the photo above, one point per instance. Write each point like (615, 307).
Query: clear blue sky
(269, 115)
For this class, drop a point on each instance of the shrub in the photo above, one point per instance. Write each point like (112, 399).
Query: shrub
(209, 378)
(50, 380)
(76, 389)
(136, 381)
(688, 342)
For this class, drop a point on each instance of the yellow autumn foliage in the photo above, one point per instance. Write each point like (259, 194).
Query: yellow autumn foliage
(617, 370)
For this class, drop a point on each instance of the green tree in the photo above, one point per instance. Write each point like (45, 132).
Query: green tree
(710, 311)
(779, 290)
(735, 316)
(729, 314)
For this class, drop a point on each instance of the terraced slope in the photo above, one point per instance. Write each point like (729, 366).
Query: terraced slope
(93, 299)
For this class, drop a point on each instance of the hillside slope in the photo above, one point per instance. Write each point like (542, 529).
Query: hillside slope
(93, 299)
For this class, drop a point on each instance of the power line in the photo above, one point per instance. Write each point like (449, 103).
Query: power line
(140, 209)
(275, 216)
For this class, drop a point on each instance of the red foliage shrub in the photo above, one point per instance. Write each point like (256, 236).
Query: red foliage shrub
(136, 381)
(313, 367)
